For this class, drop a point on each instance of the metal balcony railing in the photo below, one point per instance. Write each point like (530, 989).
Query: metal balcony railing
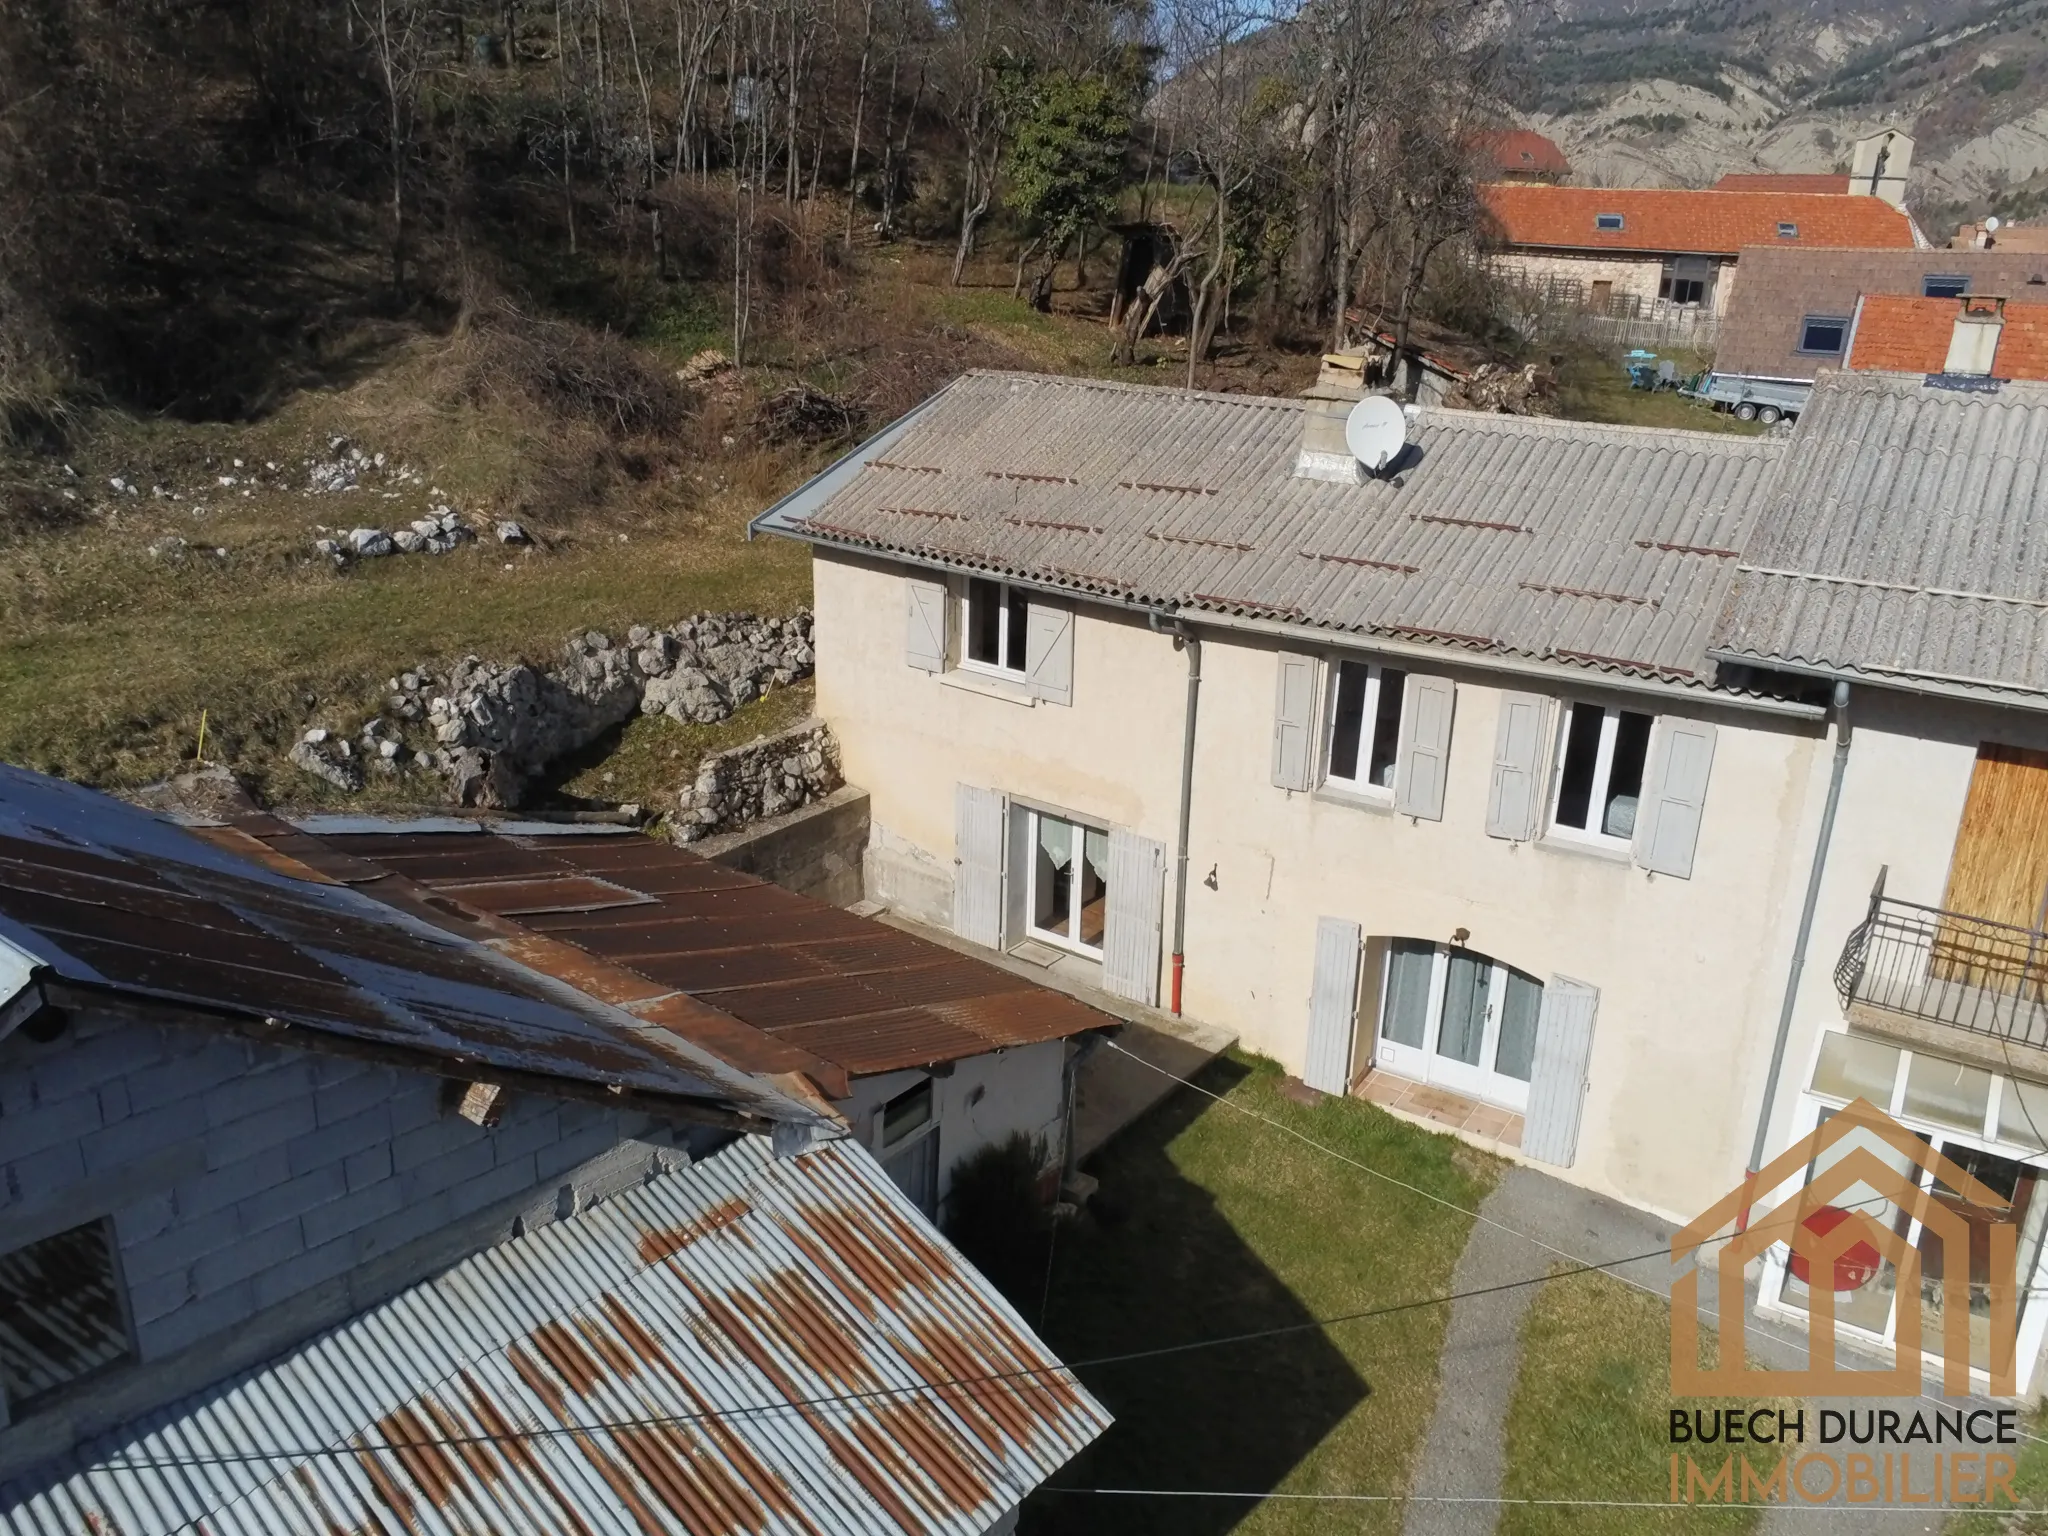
(1947, 968)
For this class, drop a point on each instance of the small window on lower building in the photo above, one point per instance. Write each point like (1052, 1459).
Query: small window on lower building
(1944, 285)
(1788, 231)
(61, 1314)
(1365, 726)
(1683, 290)
(1600, 771)
(908, 1138)
(1823, 335)
(996, 616)
(1609, 221)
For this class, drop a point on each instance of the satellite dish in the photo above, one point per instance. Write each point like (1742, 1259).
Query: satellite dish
(1991, 224)
(1375, 432)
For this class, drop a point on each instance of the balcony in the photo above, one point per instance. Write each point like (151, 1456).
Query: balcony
(1948, 982)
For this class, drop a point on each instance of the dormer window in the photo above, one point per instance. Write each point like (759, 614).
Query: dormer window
(1609, 221)
(1788, 231)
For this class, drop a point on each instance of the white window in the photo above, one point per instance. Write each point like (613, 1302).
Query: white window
(996, 619)
(1365, 727)
(1459, 1019)
(1600, 773)
(1068, 896)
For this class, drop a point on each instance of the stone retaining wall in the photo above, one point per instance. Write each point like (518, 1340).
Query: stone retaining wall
(764, 778)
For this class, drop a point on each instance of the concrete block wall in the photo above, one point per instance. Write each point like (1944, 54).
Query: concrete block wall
(260, 1192)
(816, 851)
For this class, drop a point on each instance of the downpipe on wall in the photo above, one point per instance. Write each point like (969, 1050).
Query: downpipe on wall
(1185, 639)
(1799, 944)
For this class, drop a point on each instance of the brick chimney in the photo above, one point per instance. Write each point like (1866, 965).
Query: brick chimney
(1973, 344)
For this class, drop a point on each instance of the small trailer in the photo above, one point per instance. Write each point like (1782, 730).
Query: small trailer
(1764, 400)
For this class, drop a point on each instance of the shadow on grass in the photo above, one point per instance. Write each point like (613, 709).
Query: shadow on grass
(1154, 1263)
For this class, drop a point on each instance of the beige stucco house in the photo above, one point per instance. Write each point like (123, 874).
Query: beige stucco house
(1513, 786)
(1470, 824)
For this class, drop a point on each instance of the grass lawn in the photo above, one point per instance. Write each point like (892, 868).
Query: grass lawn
(2030, 1483)
(1588, 1420)
(1210, 1223)
(1598, 390)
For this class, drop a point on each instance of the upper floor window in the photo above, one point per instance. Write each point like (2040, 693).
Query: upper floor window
(61, 1314)
(1608, 221)
(1600, 772)
(998, 621)
(1824, 335)
(1365, 726)
(1944, 285)
(1788, 231)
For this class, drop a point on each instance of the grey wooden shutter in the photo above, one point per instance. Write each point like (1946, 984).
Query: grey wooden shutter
(978, 865)
(1049, 652)
(1130, 937)
(1674, 797)
(1332, 1006)
(1557, 1079)
(1294, 713)
(925, 642)
(1425, 747)
(1514, 801)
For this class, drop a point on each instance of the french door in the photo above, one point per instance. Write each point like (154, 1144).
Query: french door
(1458, 1019)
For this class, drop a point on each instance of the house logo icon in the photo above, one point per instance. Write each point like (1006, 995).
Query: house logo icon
(1840, 1241)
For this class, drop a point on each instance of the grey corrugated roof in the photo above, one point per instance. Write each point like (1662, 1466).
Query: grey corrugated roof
(1573, 542)
(752, 1344)
(1907, 542)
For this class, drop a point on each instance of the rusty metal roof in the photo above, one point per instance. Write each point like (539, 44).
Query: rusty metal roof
(748, 1345)
(106, 896)
(767, 979)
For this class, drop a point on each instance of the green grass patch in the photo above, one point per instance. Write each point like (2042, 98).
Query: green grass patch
(1589, 1419)
(1209, 1223)
(652, 756)
(2030, 1483)
(1597, 389)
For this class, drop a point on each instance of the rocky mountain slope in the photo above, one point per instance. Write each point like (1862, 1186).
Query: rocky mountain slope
(1659, 94)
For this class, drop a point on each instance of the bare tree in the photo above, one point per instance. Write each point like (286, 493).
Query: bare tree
(396, 32)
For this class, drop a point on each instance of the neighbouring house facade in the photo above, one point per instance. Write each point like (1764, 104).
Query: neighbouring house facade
(252, 1112)
(1646, 251)
(1502, 777)
(1791, 313)
(1898, 565)
(1464, 811)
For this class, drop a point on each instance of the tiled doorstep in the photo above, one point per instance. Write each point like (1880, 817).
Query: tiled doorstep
(1488, 1126)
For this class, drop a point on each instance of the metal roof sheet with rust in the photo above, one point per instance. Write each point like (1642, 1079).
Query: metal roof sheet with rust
(107, 896)
(1908, 542)
(766, 979)
(1570, 542)
(747, 1345)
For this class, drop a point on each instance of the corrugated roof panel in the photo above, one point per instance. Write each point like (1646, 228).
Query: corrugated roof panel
(1908, 541)
(110, 895)
(763, 963)
(1487, 508)
(751, 1344)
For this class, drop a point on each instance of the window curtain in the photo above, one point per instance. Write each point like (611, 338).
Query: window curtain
(1407, 1011)
(1096, 851)
(1056, 841)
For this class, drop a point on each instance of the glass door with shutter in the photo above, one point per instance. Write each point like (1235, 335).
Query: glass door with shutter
(1068, 897)
(1458, 1019)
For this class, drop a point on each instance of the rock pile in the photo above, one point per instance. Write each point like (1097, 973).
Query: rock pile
(496, 726)
(764, 778)
(1525, 391)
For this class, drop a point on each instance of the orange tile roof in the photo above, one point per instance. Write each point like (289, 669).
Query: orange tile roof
(1790, 181)
(1519, 151)
(1900, 334)
(1690, 222)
